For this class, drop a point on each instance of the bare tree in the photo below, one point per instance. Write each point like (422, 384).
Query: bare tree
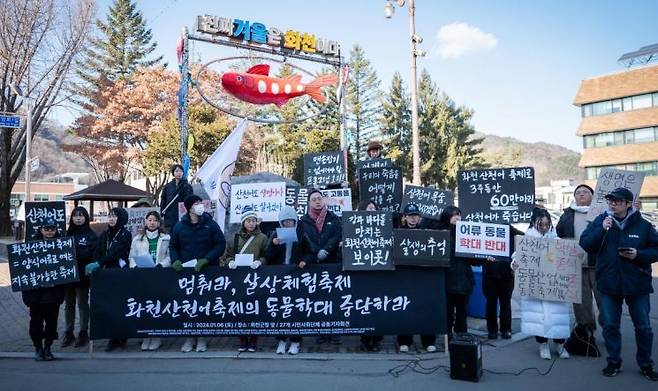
(39, 40)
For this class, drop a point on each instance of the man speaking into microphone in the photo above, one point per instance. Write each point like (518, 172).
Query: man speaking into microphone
(625, 245)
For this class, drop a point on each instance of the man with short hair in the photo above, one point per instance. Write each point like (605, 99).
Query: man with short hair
(625, 245)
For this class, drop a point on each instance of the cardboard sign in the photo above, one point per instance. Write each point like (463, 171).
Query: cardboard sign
(608, 180)
(136, 218)
(42, 263)
(337, 200)
(325, 168)
(481, 240)
(36, 213)
(431, 202)
(383, 186)
(367, 241)
(497, 195)
(266, 199)
(421, 247)
(548, 269)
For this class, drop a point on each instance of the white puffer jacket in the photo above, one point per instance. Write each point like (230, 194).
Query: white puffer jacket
(543, 318)
(140, 246)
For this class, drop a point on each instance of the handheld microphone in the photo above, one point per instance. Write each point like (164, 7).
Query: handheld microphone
(608, 216)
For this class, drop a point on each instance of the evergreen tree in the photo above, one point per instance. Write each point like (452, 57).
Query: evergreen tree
(362, 100)
(396, 125)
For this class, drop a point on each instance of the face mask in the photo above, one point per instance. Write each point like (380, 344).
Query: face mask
(198, 209)
(152, 234)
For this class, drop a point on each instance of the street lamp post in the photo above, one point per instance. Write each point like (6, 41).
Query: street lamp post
(414, 39)
(28, 137)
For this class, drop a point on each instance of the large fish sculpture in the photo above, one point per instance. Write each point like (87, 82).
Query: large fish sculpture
(256, 86)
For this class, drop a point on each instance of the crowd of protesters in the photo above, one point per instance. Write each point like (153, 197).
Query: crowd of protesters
(620, 245)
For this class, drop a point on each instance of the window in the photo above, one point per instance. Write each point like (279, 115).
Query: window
(642, 101)
(616, 105)
(41, 197)
(648, 168)
(644, 135)
(619, 138)
(655, 98)
(629, 137)
(601, 108)
(604, 140)
(587, 110)
(588, 141)
(59, 197)
(627, 104)
(592, 172)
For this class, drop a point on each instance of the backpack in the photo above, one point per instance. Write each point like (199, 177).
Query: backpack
(581, 342)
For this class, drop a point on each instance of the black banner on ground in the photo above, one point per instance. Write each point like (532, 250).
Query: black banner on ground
(421, 247)
(367, 241)
(324, 168)
(382, 185)
(431, 202)
(40, 263)
(36, 213)
(497, 195)
(273, 300)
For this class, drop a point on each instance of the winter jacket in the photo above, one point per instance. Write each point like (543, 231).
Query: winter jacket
(256, 247)
(565, 230)
(302, 250)
(140, 247)
(114, 244)
(169, 191)
(616, 275)
(500, 269)
(328, 239)
(86, 242)
(47, 295)
(543, 318)
(196, 241)
(459, 276)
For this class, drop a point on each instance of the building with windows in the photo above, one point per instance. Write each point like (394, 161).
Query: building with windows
(620, 126)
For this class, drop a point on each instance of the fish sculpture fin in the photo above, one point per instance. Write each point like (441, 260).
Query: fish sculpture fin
(313, 88)
(260, 69)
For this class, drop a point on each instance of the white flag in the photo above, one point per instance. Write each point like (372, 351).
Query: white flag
(215, 174)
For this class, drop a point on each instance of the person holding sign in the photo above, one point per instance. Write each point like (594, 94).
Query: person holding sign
(289, 245)
(625, 245)
(150, 249)
(197, 237)
(86, 241)
(411, 220)
(246, 249)
(44, 305)
(543, 318)
(112, 252)
(177, 190)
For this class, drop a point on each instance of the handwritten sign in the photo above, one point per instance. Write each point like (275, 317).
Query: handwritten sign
(383, 186)
(431, 202)
(481, 240)
(36, 213)
(337, 200)
(42, 263)
(608, 180)
(325, 168)
(367, 241)
(548, 269)
(136, 218)
(421, 247)
(497, 195)
(373, 163)
(266, 199)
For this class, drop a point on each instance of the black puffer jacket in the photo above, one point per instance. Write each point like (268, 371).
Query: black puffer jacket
(183, 189)
(328, 239)
(86, 242)
(114, 244)
(302, 250)
(50, 295)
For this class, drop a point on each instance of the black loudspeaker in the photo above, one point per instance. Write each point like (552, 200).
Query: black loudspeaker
(465, 357)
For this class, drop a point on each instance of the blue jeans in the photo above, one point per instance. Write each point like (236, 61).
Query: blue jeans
(638, 308)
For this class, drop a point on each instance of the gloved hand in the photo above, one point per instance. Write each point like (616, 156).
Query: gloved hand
(323, 254)
(255, 265)
(232, 265)
(177, 265)
(92, 268)
(200, 264)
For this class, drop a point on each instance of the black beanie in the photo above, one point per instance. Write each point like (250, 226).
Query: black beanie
(585, 186)
(191, 200)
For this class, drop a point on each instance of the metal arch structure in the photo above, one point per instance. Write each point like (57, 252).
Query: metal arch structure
(642, 56)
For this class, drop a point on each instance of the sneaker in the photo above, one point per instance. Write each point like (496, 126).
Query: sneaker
(431, 349)
(506, 335)
(83, 339)
(404, 348)
(251, 348)
(649, 373)
(611, 370)
(155, 343)
(146, 342)
(294, 348)
(112, 345)
(47, 354)
(281, 349)
(544, 351)
(188, 345)
(68, 340)
(38, 354)
(201, 345)
(493, 335)
(560, 349)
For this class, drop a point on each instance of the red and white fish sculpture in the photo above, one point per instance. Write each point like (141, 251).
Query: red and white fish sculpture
(256, 86)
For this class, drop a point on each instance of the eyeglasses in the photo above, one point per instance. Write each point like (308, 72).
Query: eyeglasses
(50, 228)
(615, 201)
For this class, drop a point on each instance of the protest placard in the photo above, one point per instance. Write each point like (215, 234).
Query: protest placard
(497, 195)
(421, 247)
(373, 163)
(337, 200)
(136, 218)
(36, 213)
(608, 180)
(266, 199)
(367, 241)
(324, 168)
(430, 201)
(42, 263)
(548, 269)
(383, 186)
(482, 240)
